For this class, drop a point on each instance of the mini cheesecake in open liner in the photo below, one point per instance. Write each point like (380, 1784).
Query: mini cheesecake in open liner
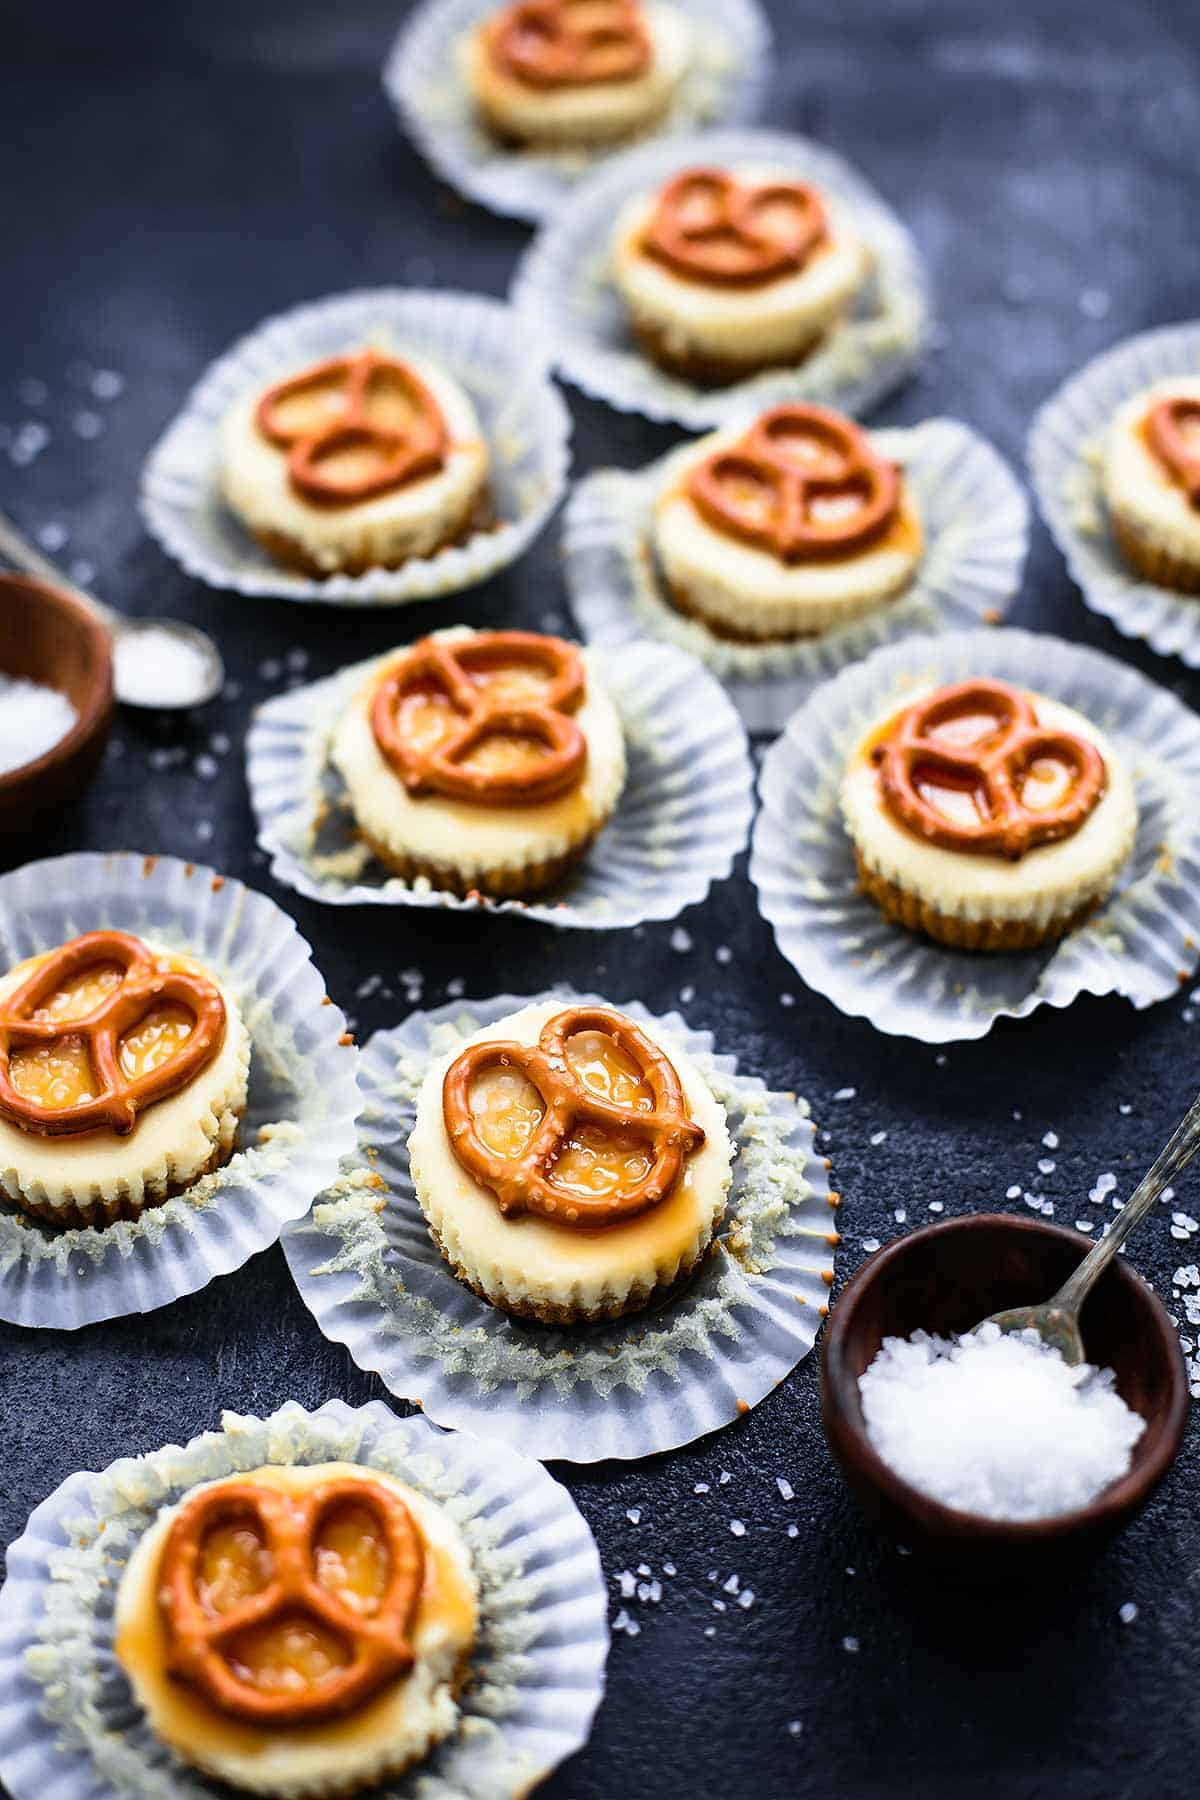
(502, 469)
(672, 826)
(705, 1351)
(1067, 447)
(1140, 943)
(565, 291)
(712, 57)
(228, 1196)
(974, 524)
(69, 1723)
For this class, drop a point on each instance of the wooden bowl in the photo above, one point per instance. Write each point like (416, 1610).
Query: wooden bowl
(48, 636)
(945, 1278)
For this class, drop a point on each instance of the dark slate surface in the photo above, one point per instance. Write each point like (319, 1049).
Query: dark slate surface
(173, 174)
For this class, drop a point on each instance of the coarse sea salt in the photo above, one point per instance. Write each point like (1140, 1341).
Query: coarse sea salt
(997, 1425)
(155, 667)
(33, 719)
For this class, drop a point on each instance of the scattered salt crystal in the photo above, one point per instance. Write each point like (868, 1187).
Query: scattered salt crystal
(206, 766)
(899, 1215)
(725, 1478)
(870, 1245)
(710, 1631)
(723, 953)
(1046, 1165)
(628, 1584)
(107, 384)
(737, 1528)
(701, 1487)
(644, 1569)
(786, 999)
(1125, 1109)
(687, 995)
(33, 718)
(643, 1591)
(996, 1425)
(850, 1646)
(731, 1586)
(154, 667)
(794, 1728)
(456, 987)
(1103, 1186)
(87, 425)
(52, 537)
(655, 1591)
(1050, 1139)
(936, 1206)
(793, 1531)
(270, 669)
(1085, 1225)
(746, 1597)
(1014, 1192)
(786, 1490)
(719, 1606)
(634, 1515)
(940, 1059)
(878, 1137)
(1127, 1613)
(82, 572)
(668, 1568)
(681, 940)
(624, 1623)
(846, 1093)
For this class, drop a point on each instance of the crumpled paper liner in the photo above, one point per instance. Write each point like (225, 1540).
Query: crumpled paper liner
(300, 1112)
(424, 78)
(476, 340)
(681, 820)
(1140, 944)
(976, 522)
(69, 1727)
(564, 291)
(374, 1281)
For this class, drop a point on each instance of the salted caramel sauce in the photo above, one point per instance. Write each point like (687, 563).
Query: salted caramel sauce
(234, 1563)
(351, 1558)
(503, 751)
(160, 1036)
(309, 409)
(288, 1655)
(426, 715)
(353, 461)
(507, 1110)
(58, 1074)
(292, 1653)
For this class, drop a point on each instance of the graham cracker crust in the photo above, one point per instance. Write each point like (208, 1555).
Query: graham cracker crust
(906, 909)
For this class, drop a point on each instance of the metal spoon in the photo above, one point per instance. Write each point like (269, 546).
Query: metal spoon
(203, 656)
(1057, 1320)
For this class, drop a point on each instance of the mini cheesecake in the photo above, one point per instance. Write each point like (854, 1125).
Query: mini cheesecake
(988, 817)
(790, 528)
(363, 461)
(1151, 483)
(625, 1201)
(561, 73)
(482, 761)
(123, 1074)
(725, 272)
(271, 1706)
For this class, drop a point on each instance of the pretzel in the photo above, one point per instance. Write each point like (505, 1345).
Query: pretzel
(709, 226)
(1176, 449)
(202, 1644)
(447, 669)
(24, 1024)
(400, 453)
(991, 767)
(784, 489)
(526, 1183)
(571, 43)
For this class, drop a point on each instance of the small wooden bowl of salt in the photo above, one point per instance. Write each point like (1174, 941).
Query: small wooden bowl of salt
(56, 699)
(990, 1453)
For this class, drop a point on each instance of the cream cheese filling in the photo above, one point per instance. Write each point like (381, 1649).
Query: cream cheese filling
(468, 837)
(757, 594)
(390, 1732)
(171, 1143)
(596, 112)
(410, 521)
(1048, 882)
(530, 1260)
(739, 324)
(1136, 486)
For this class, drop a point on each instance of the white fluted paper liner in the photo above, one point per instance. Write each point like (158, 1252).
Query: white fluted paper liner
(564, 291)
(802, 859)
(300, 1111)
(976, 522)
(425, 80)
(477, 341)
(69, 1726)
(1064, 459)
(682, 817)
(374, 1280)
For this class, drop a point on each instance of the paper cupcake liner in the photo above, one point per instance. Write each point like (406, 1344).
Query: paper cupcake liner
(477, 341)
(682, 818)
(69, 1726)
(564, 292)
(976, 523)
(374, 1280)
(300, 1112)
(802, 858)
(425, 80)
(1064, 460)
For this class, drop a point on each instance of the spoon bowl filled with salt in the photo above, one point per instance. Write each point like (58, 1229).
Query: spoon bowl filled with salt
(56, 700)
(982, 1441)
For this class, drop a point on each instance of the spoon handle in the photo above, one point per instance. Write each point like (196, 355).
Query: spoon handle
(1174, 1157)
(24, 556)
